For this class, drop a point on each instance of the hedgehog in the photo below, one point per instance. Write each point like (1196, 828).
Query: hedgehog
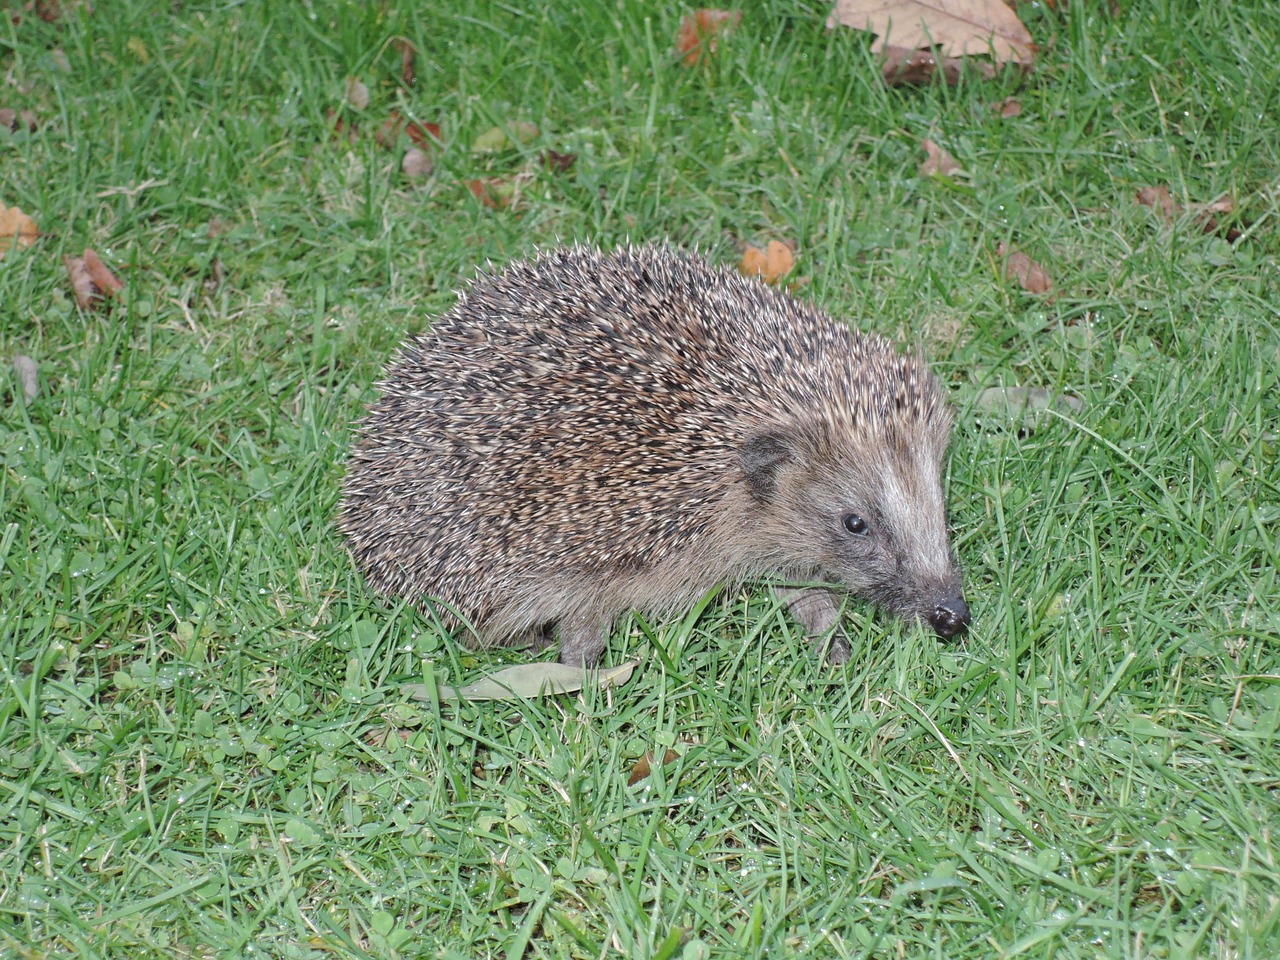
(587, 433)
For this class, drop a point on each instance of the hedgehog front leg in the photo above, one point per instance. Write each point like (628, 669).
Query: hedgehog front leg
(819, 612)
(582, 640)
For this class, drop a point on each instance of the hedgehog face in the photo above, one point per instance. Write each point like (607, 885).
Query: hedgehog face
(868, 514)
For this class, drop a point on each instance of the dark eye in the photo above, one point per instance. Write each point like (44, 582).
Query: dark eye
(854, 524)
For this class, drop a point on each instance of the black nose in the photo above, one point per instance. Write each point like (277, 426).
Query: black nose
(950, 617)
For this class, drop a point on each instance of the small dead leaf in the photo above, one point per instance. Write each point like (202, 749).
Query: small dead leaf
(51, 11)
(356, 93)
(496, 193)
(1009, 107)
(15, 120)
(1207, 218)
(1158, 198)
(644, 766)
(900, 67)
(528, 680)
(958, 28)
(60, 59)
(102, 278)
(416, 163)
(425, 136)
(15, 227)
(1032, 277)
(770, 264)
(24, 368)
(217, 227)
(341, 130)
(699, 33)
(937, 161)
(559, 162)
(91, 280)
(408, 53)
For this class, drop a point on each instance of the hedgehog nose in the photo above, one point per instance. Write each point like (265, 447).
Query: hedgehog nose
(950, 617)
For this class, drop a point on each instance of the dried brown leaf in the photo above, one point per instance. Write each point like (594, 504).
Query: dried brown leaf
(958, 28)
(900, 67)
(770, 264)
(1009, 107)
(497, 193)
(15, 226)
(644, 766)
(1030, 276)
(1207, 218)
(91, 280)
(424, 135)
(102, 277)
(408, 53)
(559, 162)
(1158, 198)
(937, 161)
(15, 120)
(699, 32)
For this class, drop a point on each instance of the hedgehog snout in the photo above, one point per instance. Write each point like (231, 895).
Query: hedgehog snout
(950, 617)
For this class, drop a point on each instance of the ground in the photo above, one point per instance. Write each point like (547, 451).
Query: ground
(205, 750)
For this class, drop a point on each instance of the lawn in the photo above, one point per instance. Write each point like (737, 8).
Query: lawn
(205, 747)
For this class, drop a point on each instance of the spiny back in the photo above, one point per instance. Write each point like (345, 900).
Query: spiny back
(584, 410)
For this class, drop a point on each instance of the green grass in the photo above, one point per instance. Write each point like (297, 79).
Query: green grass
(204, 750)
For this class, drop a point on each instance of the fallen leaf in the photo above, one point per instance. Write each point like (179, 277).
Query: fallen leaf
(1204, 215)
(528, 680)
(958, 28)
(644, 766)
(424, 135)
(1009, 108)
(497, 139)
(1032, 277)
(937, 161)
(24, 368)
(1158, 198)
(91, 280)
(217, 227)
(559, 162)
(900, 67)
(416, 163)
(15, 227)
(496, 193)
(356, 93)
(60, 59)
(15, 120)
(341, 130)
(408, 53)
(699, 32)
(51, 11)
(1207, 218)
(770, 264)
(102, 278)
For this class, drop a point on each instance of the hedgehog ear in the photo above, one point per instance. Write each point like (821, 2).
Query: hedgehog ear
(762, 455)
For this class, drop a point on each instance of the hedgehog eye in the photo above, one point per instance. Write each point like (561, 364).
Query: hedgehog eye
(855, 524)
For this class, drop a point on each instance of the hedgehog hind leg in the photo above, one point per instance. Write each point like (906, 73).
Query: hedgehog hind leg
(582, 640)
(819, 612)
